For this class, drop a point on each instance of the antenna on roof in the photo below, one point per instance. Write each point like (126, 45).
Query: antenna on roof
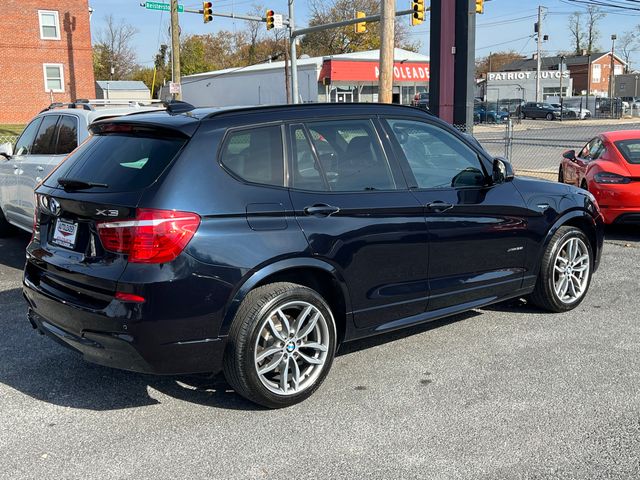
(177, 106)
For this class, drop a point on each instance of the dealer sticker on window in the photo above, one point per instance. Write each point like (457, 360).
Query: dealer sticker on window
(65, 233)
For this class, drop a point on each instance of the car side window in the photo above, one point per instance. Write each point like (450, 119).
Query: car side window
(437, 158)
(67, 138)
(44, 144)
(255, 155)
(350, 156)
(588, 150)
(25, 142)
(305, 171)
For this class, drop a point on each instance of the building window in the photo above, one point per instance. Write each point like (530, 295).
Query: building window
(53, 77)
(49, 25)
(595, 77)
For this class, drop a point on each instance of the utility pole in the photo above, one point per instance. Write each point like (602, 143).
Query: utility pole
(294, 56)
(387, 43)
(175, 47)
(287, 77)
(612, 67)
(538, 57)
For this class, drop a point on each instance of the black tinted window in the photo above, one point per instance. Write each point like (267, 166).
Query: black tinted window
(25, 142)
(67, 134)
(255, 155)
(305, 172)
(350, 155)
(123, 162)
(436, 157)
(44, 143)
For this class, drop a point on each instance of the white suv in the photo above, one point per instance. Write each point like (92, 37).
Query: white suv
(47, 139)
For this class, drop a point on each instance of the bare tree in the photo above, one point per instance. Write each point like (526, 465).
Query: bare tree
(254, 31)
(113, 50)
(626, 45)
(577, 34)
(594, 15)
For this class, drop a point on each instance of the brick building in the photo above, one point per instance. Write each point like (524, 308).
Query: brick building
(45, 55)
(578, 66)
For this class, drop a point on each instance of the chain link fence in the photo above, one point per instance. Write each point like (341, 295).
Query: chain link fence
(8, 139)
(535, 147)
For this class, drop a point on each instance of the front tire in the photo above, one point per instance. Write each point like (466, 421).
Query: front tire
(550, 116)
(281, 345)
(565, 273)
(561, 175)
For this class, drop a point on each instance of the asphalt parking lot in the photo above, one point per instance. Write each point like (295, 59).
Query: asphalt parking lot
(506, 392)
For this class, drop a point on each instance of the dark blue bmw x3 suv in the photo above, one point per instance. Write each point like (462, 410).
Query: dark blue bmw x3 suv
(254, 241)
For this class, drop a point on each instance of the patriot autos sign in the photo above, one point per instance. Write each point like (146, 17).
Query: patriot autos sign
(528, 75)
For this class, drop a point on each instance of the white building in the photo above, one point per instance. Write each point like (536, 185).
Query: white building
(351, 77)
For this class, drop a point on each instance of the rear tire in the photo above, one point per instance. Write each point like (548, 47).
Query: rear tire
(584, 185)
(565, 271)
(6, 229)
(281, 345)
(561, 175)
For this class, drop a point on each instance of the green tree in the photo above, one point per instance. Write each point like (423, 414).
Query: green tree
(345, 40)
(193, 55)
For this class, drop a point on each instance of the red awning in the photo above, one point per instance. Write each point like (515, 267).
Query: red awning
(359, 71)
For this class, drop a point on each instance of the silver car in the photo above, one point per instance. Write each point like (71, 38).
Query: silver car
(46, 140)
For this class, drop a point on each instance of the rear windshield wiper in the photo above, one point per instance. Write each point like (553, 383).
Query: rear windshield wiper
(74, 184)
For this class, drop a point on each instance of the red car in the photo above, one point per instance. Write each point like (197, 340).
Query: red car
(609, 167)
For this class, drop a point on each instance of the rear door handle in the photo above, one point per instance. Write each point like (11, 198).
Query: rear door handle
(321, 210)
(439, 206)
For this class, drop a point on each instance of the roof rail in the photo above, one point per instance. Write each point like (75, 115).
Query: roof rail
(53, 106)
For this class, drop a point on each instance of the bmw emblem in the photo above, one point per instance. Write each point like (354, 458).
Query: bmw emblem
(54, 207)
(291, 347)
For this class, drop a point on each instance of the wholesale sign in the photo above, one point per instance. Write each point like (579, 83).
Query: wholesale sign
(366, 71)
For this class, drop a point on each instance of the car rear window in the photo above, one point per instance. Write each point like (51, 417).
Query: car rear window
(125, 163)
(630, 150)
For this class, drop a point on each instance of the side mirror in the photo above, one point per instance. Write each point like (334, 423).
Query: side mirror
(6, 150)
(570, 155)
(502, 170)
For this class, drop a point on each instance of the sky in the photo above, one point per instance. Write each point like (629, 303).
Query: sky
(505, 25)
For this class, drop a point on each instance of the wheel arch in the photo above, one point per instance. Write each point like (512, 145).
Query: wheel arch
(316, 274)
(584, 221)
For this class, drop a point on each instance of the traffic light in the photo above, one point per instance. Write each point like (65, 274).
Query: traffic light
(270, 19)
(479, 6)
(418, 12)
(361, 27)
(207, 12)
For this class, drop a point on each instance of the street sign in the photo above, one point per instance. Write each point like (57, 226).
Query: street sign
(174, 88)
(277, 20)
(165, 7)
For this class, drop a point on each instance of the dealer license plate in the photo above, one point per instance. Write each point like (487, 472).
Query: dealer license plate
(65, 233)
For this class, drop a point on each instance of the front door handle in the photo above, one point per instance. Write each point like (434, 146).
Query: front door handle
(321, 210)
(439, 206)
(40, 168)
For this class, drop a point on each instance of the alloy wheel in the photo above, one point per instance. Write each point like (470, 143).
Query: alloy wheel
(291, 348)
(571, 270)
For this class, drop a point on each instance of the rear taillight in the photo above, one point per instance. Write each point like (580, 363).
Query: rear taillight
(155, 236)
(606, 177)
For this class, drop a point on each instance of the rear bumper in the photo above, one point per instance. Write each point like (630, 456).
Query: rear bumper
(109, 337)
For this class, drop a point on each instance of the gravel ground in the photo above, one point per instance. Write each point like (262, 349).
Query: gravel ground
(506, 392)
